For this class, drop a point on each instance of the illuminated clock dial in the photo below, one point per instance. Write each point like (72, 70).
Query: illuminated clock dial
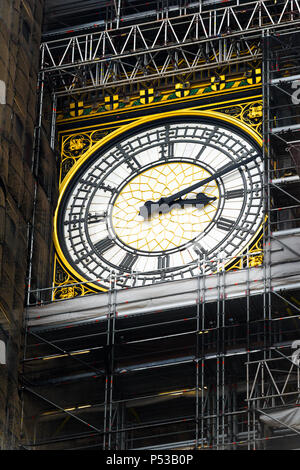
(181, 159)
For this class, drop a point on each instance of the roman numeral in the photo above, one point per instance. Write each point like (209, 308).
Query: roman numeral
(94, 218)
(91, 219)
(199, 250)
(132, 163)
(225, 224)
(235, 193)
(167, 150)
(73, 222)
(104, 245)
(106, 187)
(130, 160)
(163, 262)
(128, 261)
(170, 150)
(95, 184)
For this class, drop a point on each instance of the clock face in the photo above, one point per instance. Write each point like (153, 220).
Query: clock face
(99, 224)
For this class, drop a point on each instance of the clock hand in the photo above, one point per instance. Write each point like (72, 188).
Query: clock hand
(201, 199)
(151, 207)
(226, 169)
(223, 171)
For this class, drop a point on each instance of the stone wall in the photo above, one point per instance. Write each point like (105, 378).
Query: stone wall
(20, 36)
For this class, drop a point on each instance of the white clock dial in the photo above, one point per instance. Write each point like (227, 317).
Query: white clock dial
(99, 226)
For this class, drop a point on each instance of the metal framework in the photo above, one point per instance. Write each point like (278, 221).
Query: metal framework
(273, 377)
(169, 46)
(203, 375)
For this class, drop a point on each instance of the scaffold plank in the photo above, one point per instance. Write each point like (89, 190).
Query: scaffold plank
(284, 273)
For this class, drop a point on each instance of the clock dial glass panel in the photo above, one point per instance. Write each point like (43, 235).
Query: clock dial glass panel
(99, 226)
(170, 230)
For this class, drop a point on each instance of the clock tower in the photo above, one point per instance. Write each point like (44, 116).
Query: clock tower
(149, 258)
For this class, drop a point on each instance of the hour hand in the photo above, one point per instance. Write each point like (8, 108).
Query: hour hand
(161, 207)
(200, 200)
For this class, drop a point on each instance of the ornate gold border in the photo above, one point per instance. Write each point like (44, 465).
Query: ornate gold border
(166, 97)
(211, 114)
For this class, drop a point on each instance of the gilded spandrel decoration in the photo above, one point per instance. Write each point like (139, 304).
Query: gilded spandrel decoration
(252, 115)
(74, 146)
(65, 286)
(253, 258)
(249, 113)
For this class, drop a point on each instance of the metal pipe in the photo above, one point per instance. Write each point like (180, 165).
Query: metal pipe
(127, 18)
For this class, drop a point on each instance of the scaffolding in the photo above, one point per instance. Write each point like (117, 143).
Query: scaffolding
(211, 37)
(217, 368)
(274, 386)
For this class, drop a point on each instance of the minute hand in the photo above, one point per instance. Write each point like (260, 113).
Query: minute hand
(221, 172)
